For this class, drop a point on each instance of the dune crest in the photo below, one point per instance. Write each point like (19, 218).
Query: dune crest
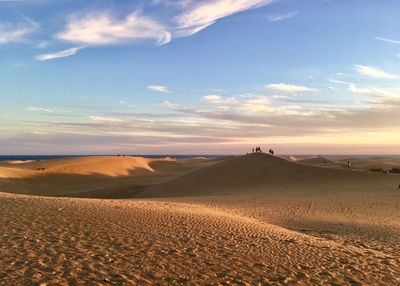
(102, 165)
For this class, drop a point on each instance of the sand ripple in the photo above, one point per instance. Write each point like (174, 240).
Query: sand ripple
(59, 241)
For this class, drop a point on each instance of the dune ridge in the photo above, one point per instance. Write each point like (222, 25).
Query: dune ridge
(246, 220)
(103, 165)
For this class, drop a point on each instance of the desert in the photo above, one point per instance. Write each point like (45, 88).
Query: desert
(254, 219)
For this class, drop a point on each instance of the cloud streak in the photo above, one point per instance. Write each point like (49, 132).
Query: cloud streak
(289, 88)
(104, 28)
(374, 72)
(16, 33)
(281, 17)
(205, 13)
(57, 55)
(159, 88)
(387, 40)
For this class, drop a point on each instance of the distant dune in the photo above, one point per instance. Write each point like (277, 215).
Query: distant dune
(263, 173)
(102, 165)
(371, 163)
(321, 162)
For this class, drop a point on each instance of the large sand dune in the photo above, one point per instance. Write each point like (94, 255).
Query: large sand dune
(75, 242)
(91, 176)
(248, 220)
(263, 173)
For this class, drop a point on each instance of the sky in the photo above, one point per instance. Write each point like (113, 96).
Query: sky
(199, 77)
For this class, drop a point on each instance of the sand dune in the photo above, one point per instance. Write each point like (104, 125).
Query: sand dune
(370, 163)
(248, 220)
(321, 162)
(91, 176)
(263, 173)
(150, 242)
(102, 165)
(129, 177)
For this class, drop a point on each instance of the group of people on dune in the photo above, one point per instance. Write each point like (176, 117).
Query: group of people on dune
(258, 150)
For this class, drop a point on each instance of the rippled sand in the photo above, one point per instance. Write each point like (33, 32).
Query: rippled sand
(77, 241)
(257, 220)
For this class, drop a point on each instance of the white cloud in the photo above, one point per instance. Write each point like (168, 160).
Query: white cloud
(56, 55)
(371, 91)
(374, 72)
(205, 13)
(103, 28)
(251, 104)
(101, 119)
(159, 88)
(221, 101)
(280, 17)
(256, 104)
(10, 33)
(339, 81)
(387, 40)
(44, 109)
(289, 88)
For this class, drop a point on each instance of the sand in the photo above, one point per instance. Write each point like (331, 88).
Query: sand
(249, 220)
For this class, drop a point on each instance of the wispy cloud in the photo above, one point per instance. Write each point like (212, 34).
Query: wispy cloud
(387, 40)
(174, 3)
(56, 55)
(205, 13)
(284, 16)
(289, 88)
(159, 88)
(249, 104)
(219, 100)
(104, 28)
(371, 91)
(107, 28)
(46, 109)
(375, 72)
(339, 81)
(103, 119)
(15, 33)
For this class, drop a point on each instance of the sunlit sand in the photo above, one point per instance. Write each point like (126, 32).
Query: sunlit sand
(247, 220)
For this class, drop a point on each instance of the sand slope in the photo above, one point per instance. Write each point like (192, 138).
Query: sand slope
(248, 220)
(102, 165)
(262, 173)
(370, 163)
(320, 162)
(129, 177)
(93, 176)
(68, 241)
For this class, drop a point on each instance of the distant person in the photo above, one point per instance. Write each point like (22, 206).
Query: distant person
(348, 165)
(253, 150)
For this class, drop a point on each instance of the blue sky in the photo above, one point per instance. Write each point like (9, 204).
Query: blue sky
(195, 77)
